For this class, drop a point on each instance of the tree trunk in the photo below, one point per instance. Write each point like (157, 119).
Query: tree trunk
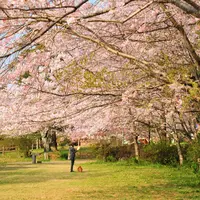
(46, 156)
(149, 136)
(164, 131)
(54, 139)
(136, 147)
(46, 144)
(40, 143)
(37, 143)
(3, 150)
(180, 155)
(79, 142)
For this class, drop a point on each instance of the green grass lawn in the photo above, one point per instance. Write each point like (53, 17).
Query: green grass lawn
(53, 181)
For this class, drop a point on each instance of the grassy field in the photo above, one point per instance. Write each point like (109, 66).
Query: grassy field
(53, 181)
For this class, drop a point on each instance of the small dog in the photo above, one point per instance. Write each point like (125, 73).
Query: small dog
(80, 169)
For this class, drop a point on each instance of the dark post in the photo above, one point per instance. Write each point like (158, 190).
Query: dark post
(33, 159)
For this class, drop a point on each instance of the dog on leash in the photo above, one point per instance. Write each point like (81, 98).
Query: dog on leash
(80, 169)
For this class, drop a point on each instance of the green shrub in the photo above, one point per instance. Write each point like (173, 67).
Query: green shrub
(86, 153)
(24, 144)
(162, 153)
(110, 153)
(64, 154)
(193, 153)
(195, 167)
(111, 159)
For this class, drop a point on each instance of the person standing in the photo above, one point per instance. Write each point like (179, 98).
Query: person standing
(72, 156)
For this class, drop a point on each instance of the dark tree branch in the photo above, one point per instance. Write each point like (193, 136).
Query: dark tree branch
(188, 6)
(36, 9)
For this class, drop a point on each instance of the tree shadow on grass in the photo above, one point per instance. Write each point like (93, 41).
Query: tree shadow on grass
(35, 173)
(14, 168)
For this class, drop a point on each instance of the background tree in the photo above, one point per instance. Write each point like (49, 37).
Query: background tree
(66, 59)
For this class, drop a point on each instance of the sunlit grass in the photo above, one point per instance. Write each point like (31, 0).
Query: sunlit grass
(13, 157)
(53, 181)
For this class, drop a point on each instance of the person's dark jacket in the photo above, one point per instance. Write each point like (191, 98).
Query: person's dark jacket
(72, 153)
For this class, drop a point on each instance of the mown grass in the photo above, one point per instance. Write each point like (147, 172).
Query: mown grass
(122, 181)
(13, 156)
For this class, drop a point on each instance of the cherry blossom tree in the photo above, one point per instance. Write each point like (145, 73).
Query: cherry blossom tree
(71, 61)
